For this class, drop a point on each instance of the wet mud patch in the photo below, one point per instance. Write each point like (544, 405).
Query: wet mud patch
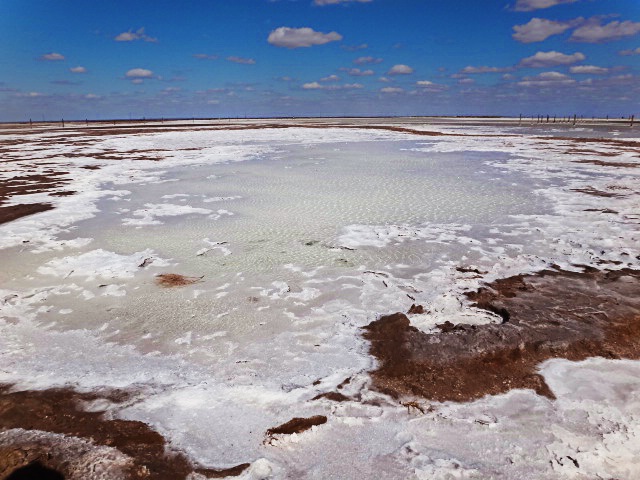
(14, 212)
(297, 425)
(552, 314)
(169, 280)
(27, 417)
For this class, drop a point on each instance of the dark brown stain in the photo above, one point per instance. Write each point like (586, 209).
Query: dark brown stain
(297, 425)
(552, 314)
(58, 411)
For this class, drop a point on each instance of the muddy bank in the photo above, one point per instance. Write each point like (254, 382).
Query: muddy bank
(50, 429)
(552, 314)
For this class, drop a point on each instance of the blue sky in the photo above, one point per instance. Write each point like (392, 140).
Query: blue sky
(219, 58)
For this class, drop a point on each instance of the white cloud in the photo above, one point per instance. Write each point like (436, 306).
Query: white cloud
(139, 73)
(335, 2)
(318, 86)
(52, 57)
(367, 60)
(400, 70)
(132, 36)
(630, 52)
(385, 79)
(300, 37)
(356, 72)
(78, 69)
(204, 56)
(241, 60)
(330, 78)
(529, 5)
(424, 83)
(589, 69)
(30, 94)
(550, 59)
(391, 90)
(482, 69)
(91, 96)
(466, 81)
(593, 32)
(547, 79)
(539, 29)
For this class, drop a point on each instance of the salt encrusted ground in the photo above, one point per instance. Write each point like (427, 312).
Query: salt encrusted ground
(281, 243)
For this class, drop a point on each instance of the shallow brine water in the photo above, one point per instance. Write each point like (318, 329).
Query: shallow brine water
(298, 239)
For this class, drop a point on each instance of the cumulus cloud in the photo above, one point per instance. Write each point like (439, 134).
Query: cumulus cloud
(400, 70)
(530, 5)
(330, 78)
(241, 60)
(204, 56)
(300, 37)
(482, 69)
(137, 75)
(30, 94)
(539, 29)
(594, 32)
(131, 36)
(430, 87)
(78, 69)
(589, 69)
(550, 59)
(322, 3)
(356, 72)
(319, 86)
(630, 52)
(367, 60)
(52, 57)
(391, 90)
(547, 79)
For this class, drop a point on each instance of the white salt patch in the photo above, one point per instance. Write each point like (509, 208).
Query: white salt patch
(99, 263)
(148, 215)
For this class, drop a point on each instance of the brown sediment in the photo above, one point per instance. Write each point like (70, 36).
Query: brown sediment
(602, 163)
(175, 280)
(415, 309)
(59, 411)
(333, 396)
(597, 193)
(13, 212)
(297, 425)
(552, 314)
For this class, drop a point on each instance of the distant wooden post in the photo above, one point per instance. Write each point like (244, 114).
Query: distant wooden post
(554, 119)
(86, 121)
(547, 118)
(632, 118)
(30, 123)
(574, 118)
(520, 121)
(63, 123)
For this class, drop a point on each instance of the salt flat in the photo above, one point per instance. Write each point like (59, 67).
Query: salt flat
(300, 233)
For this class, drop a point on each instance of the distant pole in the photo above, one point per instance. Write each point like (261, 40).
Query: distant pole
(607, 118)
(520, 121)
(632, 118)
(574, 118)
(63, 123)
(547, 118)
(30, 123)
(86, 122)
(554, 119)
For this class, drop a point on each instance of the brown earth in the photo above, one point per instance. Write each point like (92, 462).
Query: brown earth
(168, 280)
(552, 314)
(297, 425)
(59, 411)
